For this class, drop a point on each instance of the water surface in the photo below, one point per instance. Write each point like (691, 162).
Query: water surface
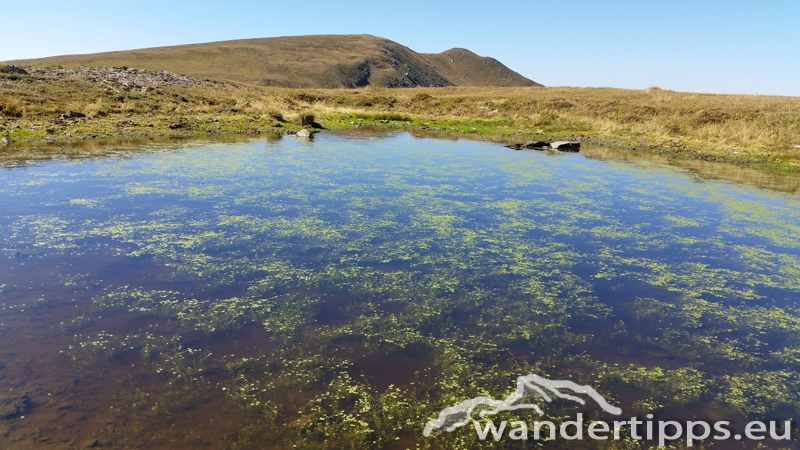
(339, 292)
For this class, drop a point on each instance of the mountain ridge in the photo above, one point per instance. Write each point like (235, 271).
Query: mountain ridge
(314, 61)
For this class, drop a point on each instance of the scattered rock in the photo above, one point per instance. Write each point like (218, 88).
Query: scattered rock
(5, 140)
(180, 126)
(118, 78)
(797, 146)
(303, 133)
(515, 146)
(290, 133)
(383, 121)
(566, 146)
(73, 115)
(537, 144)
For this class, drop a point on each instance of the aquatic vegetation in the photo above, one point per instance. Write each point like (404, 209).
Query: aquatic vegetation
(389, 277)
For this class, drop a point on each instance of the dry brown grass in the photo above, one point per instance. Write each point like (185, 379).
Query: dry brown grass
(723, 125)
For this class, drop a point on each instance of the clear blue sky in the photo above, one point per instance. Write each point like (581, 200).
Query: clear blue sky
(731, 46)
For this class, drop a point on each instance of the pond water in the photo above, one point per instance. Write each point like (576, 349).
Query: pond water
(340, 292)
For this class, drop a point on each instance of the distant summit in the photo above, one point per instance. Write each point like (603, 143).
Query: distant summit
(318, 61)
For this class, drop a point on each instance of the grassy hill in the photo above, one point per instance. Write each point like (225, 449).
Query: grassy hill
(464, 68)
(319, 61)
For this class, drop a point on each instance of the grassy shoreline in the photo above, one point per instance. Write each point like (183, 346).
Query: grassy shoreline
(759, 131)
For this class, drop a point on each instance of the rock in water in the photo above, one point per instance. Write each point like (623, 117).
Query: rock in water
(13, 406)
(514, 146)
(566, 146)
(303, 133)
(537, 144)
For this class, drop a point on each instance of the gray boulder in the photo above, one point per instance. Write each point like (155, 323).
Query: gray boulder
(303, 133)
(566, 146)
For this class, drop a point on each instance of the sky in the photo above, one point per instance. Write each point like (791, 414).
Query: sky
(732, 46)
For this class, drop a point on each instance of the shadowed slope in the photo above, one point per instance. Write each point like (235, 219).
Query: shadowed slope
(319, 61)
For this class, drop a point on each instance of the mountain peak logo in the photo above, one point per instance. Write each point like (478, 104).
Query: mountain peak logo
(527, 386)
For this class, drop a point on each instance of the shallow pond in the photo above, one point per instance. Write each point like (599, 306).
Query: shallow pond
(340, 292)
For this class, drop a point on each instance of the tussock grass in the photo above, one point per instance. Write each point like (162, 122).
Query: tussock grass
(744, 129)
